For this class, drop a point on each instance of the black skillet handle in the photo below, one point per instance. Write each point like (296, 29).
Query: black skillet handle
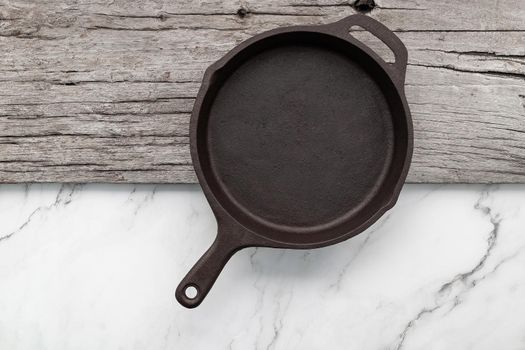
(391, 40)
(202, 276)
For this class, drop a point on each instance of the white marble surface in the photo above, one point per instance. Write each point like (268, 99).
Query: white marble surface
(96, 266)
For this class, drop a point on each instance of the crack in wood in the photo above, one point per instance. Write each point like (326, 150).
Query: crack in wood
(490, 54)
(488, 72)
(401, 8)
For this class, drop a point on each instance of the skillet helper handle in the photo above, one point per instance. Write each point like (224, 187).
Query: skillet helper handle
(384, 34)
(202, 276)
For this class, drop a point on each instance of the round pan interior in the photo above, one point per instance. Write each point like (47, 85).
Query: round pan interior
(302, 138)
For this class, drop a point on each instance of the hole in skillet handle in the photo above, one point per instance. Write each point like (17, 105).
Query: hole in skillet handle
(191, 291)
(372, 42)
(189, 295)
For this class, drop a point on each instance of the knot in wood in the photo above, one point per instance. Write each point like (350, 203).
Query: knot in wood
(364, 6)
(242, 12)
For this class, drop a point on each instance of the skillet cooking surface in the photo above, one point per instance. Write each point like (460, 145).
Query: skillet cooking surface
(299, 136)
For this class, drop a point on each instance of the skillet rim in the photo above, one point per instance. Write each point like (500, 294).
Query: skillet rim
(251, 236)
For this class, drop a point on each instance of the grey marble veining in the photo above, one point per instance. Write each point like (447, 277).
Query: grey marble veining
(96, 266)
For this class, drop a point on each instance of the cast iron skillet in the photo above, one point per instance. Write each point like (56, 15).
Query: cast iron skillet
(301, 137)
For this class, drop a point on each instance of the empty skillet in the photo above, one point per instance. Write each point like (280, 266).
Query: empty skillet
(301, 137)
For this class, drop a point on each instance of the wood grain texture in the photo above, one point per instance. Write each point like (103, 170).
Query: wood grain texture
(102, 91)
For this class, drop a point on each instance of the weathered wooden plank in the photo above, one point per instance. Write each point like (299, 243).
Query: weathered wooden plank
(101, 92)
